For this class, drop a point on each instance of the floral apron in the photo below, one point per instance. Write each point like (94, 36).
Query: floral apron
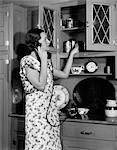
(40, 135)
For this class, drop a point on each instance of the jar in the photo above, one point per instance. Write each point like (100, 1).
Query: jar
(67, 46)
(111, 108)
(70, 23)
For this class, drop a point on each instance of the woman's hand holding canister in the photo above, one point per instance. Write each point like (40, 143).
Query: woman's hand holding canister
(75, 50)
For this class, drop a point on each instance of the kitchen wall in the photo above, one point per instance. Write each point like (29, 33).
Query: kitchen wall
(114, 82)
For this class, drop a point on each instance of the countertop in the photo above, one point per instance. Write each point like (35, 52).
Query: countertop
(86, 119)
(109, 121)
(95, 119)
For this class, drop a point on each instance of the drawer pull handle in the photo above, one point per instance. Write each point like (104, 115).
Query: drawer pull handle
(86, 132)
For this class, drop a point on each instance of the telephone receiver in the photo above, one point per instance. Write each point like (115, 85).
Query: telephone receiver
(48, 54)
(37, 44)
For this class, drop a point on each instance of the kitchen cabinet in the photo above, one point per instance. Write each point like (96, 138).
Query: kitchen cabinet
(12, 30)
(17, 30)
(87, 136)
(74, 29)
(48, 21)
(3, 29)
(75, 134)
(92, 23)
(4, 79)
(18, 132)
(101, 25)
(3, 102)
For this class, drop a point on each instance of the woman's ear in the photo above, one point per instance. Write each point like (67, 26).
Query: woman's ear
(39, 44)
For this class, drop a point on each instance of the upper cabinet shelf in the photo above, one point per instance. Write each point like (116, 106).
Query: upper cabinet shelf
(90, 54)
(77, 29)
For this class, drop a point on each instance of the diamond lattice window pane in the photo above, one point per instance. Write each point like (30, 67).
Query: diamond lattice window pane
(48, 24)
(101, 24)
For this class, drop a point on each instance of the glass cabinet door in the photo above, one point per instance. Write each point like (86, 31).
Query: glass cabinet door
(48, 22)
(100, 25)
(4, 20)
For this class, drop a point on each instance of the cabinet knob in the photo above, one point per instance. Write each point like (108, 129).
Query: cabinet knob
(86, 132)
(6, 43)
(7, 62)
(87, 24)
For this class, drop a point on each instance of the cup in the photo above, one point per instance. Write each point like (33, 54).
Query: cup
(77, 69)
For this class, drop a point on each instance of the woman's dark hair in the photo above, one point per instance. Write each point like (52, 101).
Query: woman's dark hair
(31, 44)
(22, 50)
(32, 38)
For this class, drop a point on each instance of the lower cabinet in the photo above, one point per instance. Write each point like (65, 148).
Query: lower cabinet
(75, 135)
(88, 136)
(17, 134)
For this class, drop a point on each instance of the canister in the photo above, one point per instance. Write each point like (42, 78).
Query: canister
(70, 23)
(67, 46)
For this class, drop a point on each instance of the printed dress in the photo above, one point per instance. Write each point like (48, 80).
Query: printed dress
(40, 135)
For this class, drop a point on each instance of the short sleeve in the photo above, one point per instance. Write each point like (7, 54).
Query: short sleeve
(25, 62)
(28, 62)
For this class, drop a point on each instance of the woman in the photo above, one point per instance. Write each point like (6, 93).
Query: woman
(37, 73)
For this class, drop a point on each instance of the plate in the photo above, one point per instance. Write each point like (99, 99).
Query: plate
(62, 96)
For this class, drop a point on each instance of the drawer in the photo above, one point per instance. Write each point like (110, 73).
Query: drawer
(18, 125)
(87, 144)
(85, 130)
